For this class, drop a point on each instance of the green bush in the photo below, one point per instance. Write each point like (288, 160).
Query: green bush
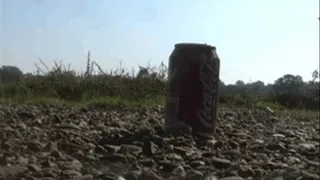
(67, 86)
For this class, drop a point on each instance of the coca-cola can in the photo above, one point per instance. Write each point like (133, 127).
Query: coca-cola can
(193, 84)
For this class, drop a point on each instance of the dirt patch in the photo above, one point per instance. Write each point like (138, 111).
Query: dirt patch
(62, 142)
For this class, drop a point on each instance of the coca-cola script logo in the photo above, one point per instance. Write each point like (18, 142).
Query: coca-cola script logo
(209, 77)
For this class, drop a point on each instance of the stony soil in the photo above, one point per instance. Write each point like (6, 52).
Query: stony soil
(61, 142)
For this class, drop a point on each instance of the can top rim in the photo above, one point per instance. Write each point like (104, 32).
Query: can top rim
(198, 45)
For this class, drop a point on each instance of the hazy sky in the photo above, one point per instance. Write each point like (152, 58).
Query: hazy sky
(255, 39)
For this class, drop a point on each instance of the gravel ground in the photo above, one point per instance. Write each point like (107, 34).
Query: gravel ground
(61, 142)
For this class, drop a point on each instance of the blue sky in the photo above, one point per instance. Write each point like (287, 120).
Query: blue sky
(255, 39)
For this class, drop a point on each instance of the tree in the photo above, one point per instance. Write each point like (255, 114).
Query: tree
(288, 84)
(255, 87)
(10, 74)
(240, 83)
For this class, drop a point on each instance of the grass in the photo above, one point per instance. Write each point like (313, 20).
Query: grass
(299, 114)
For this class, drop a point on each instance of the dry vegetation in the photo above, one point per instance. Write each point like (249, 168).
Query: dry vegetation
(145, 87)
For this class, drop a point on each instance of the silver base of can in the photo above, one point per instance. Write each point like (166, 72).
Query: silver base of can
(178, 128)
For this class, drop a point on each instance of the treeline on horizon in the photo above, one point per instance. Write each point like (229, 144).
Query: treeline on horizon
(288, 91)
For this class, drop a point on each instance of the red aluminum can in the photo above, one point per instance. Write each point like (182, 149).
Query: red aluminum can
(193, 84)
